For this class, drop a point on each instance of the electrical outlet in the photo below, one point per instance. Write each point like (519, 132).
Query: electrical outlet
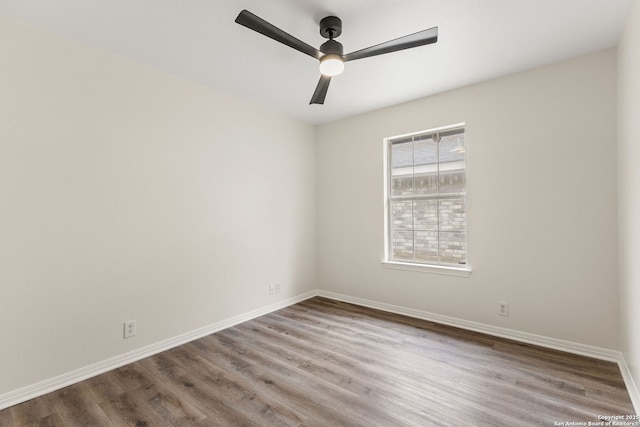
(503, 308)
(277, 285)
(272, 288)
(129, 328)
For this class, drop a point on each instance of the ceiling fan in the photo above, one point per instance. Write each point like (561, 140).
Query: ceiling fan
(330, 54)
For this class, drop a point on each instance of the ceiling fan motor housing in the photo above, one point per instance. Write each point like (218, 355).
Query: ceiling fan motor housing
(331, 46)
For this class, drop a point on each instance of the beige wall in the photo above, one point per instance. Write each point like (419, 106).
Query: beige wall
(126, 193)
(541, 164)
(629, 190)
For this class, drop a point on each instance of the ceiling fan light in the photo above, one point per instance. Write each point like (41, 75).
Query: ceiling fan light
(331, 65)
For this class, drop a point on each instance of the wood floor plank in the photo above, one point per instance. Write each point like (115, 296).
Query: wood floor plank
(348, 373)
(76, 407)
(328, 363)
(104, 387)
(129, 409)
(5, 419)
(170, 406)
(51, 420)
(31, 411)
(283, 380)
(208, 397)
(202, 384)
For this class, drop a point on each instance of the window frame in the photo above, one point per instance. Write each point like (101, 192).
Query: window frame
(463, 271)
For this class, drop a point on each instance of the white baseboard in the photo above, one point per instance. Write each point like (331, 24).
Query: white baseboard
(38, 389)
(52, 384)
(525, 337)
(632, 388)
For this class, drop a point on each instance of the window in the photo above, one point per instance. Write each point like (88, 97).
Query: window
(426, 216)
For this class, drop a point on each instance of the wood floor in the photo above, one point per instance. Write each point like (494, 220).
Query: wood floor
(327, 363)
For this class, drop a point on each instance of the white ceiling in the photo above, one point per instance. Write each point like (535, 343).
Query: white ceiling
(198, 40)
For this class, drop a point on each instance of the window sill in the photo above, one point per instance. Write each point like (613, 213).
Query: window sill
(449, 271)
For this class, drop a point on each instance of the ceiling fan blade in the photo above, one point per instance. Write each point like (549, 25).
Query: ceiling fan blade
(321, 90)
(420, 38)
(255, 23)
